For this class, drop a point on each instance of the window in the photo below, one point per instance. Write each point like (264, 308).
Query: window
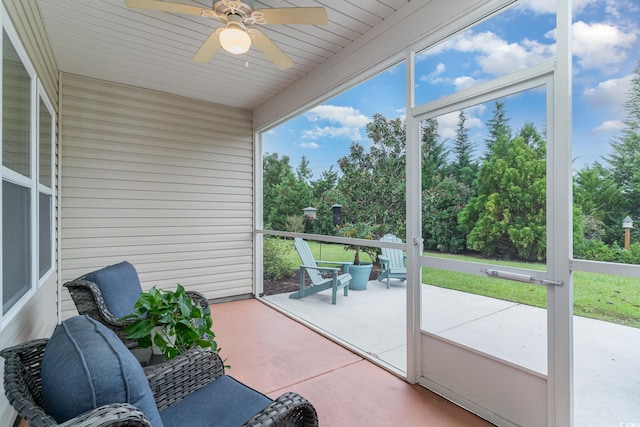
(27, 177)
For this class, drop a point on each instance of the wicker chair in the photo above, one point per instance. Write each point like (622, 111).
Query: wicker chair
(170, 382)
(88, 299)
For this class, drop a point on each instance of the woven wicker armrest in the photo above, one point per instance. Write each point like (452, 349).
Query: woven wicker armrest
(175, 379)
(115, 415)
(198, 298)
(22, 381)
(24, 391)
(287, 410)
(88, 300)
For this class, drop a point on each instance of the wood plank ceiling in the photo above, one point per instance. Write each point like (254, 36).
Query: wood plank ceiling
(106, 40)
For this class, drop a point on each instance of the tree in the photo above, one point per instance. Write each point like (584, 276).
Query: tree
(498, 127)
(434, 154)
(289, 197)
(464, 168)
(325, 196)
(373, 182)
(507, 217)
(303, 171)
(601, 202)
(275, 170)
(625, 160)
(440, 208)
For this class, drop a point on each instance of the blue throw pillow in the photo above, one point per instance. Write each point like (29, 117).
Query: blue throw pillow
(85, 366)
(119, 285)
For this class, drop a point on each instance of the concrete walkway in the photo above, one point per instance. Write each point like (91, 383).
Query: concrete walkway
(606, 355)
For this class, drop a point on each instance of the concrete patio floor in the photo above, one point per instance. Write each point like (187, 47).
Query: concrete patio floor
(606, 367)
(275, 354)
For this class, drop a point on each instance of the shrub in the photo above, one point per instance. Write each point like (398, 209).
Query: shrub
(294, 224)
(597, 250)
(440, 209)
(276, 264)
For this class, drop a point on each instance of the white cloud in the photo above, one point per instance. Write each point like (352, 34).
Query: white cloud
(332, 132)
(500, 57)
(609, 93)
(610, 126)
(346, 116)
(618, 9)
(448, 123)
(343, 122)
(460, 83)
(495, 55)
(600, 46)
(464, 82)
(311, 145)
(549, 6)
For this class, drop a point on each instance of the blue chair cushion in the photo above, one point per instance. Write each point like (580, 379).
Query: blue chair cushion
(222, 402)
(119, 285)
(85, 366)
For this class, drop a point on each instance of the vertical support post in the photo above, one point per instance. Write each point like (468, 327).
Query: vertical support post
(414, 233)
(560, 231)
(258, 238)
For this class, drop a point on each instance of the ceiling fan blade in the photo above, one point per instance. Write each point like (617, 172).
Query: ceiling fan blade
(209, 47)
(164, 6)
(271, 51)
(296, 15)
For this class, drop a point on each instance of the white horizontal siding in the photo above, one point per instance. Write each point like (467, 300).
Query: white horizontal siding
(161, 181)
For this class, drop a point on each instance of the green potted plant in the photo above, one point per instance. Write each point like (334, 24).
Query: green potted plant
(360, 271)
(171, 321)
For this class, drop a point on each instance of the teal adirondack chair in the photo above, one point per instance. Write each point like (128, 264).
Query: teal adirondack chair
(319, 283)
(392, 261)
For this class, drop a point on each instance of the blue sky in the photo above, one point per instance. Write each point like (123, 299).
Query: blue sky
(606, 48)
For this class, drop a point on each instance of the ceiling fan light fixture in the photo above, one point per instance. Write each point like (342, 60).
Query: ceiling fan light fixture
(234, 39)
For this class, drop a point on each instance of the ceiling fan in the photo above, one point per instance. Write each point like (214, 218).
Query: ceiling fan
(239, 19)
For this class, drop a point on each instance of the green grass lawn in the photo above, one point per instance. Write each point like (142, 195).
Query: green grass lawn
(598, 296)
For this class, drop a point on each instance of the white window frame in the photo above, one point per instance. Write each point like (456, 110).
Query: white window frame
(32, 183)
(42, 96)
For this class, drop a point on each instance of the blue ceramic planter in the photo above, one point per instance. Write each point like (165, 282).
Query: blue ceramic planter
(359, 276)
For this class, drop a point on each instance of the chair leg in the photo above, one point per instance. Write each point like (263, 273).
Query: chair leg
(302, 271)
(334, 290)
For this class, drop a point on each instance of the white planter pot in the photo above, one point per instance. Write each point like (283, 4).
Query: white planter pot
(160, 330)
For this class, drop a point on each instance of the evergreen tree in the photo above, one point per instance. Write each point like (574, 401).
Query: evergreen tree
(325, 195)
(625, 159)
(289, 197)
(601, 202)
(498, 127)
(463, 168)
(507, 217)
(275, 170)
(440, 208)
(303, 171)
(434, 154)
